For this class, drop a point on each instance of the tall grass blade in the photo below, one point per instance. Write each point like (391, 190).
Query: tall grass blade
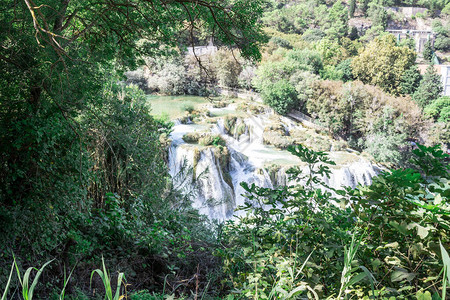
(36, 279)
(27, 292)
(303, 265)
(107, 282)
(446, 276)
(119, 283)
(5, 293)
(66, 281)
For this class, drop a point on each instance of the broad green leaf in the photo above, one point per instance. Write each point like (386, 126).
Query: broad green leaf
(393, 260)
(446, 260)
(423, 295)
(401, 274)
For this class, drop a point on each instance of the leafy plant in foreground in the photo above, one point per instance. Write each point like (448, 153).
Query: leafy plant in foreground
(291, 237)
(27, 290)
(5, 292)
(104, 275)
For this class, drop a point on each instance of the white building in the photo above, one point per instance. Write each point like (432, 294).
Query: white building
(202, 50)
(445, 77)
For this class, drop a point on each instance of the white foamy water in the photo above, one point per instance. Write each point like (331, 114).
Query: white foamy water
(216, 192)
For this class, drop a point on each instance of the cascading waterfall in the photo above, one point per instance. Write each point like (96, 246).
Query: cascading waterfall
(214, 185)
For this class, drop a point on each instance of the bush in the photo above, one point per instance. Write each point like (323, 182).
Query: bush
(442, 43)
(313, 35)
(387, 229)
(410, 80)
(331, 73)
(385, 146)
(188, 106)
(211, 140)
(439, 109)
(345, 67)
(281, 96)
(191, 137)
(281, 42)
(166, 75)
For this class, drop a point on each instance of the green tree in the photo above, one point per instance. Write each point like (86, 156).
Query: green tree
(439, 109)
(383, 63)
(81, 158)
(338, 18)
(353, 35)
(227, 67)
(345, 67)
(281, 96)
(428, 51)
(429, 89)
(352, 8)
(364, 6)
(410, 80)
(378, 15)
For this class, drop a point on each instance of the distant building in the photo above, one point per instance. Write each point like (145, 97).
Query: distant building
(445, 77)
(203, 50)
(419, 36)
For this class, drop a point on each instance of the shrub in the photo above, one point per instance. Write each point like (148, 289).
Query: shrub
(313, 35)
(345, 68)
(211, 140)
(191, 137)
(188, 106)
(281, 96)
(439, 109)
(429, 89)
(410, 80)
(442, 43)
(331, 72)
(281, 42)
(385, 146)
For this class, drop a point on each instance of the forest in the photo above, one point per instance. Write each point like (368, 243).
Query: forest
(92, 160)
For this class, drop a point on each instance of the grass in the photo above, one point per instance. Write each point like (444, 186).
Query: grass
(106, 279)
(174, 106)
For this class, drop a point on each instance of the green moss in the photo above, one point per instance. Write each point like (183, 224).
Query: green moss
(240, 129)
(197, 154)
(228, 123)
(222, 155)
(192, 137)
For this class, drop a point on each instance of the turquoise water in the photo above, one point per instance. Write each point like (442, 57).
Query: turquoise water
(174, 106)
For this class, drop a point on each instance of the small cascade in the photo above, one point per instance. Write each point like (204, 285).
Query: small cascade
(214, 183)
(197, 173)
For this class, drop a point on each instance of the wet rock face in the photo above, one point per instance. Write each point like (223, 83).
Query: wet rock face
(208, 163)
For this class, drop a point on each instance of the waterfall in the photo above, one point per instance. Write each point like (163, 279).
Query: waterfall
(212, 181)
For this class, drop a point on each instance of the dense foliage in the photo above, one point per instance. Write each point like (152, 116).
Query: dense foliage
(82, 168)
(83, 165)
(382, 241)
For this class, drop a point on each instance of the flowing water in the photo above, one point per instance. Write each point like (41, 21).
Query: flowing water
(213, 182)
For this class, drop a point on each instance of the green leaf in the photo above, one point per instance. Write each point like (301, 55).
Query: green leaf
(446, 260)
(393, 260)
(5, 293)
(422, 231)
(423, 296)
(401, 274)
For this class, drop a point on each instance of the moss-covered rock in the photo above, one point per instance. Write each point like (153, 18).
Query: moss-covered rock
(196, 159)
(222, 155)
(276, 135)
(192, 137)
(211, 140)
(228, 123)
